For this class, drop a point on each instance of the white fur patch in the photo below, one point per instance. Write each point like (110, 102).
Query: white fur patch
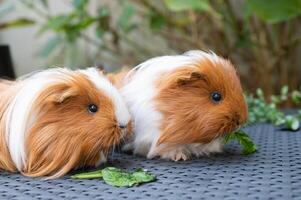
(121, 111)
(139, 91)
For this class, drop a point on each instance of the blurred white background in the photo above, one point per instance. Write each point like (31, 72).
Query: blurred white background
(23, 41)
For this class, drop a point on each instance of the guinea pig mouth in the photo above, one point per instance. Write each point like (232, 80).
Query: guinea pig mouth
(229, 128)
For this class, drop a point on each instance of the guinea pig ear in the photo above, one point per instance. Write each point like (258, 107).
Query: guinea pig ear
(189, 76)
(60, 94)
(62, 97)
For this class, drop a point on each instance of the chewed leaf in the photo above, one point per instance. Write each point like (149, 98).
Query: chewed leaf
(142, 176)
(244, 140)
(117, 177)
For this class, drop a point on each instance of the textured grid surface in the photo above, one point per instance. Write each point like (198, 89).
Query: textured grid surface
(272, 173)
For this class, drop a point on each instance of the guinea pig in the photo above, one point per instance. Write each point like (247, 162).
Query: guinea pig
(182, 105)
(56, 120)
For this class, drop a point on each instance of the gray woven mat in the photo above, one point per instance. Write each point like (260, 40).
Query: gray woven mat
(272, 173)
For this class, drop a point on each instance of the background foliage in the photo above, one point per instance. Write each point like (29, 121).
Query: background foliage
(262, 37)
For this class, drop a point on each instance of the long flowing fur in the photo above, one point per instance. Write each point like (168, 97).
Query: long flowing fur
(169, 100)
(46, 128)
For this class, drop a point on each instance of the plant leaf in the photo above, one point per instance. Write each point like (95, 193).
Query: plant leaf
(124, 21)
(244, 140)
(55, 23)
(180, 5)
(292, 122)
(156, 22)
(17, 23)
(296, 97)
(274, 11)
(117, 177)
(142, 176)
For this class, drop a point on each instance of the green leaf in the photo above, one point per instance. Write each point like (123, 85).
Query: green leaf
(275, 99)
(142, 176)
(244, 140)
(156, 22)
(124, 21)
(296, 97)
(292, 122)
(284, 90)
(56, 23)
(17, 23)
(181, 5)
(274, 11)
(284, 93)
(260, 94)
(88, 175)
(117, 177)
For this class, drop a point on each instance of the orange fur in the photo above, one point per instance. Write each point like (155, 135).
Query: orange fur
(5, 159)
(56, 143)
(189, 114)
(62, 134)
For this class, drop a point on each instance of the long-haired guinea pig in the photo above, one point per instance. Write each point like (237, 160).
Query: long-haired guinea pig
(182, 105)
(57, 120)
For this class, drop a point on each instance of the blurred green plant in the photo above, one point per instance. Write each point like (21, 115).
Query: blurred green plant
(261, 37)
(264, 111)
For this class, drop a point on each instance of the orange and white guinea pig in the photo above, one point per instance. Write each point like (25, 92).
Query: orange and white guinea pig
(182, 105)
(57, 120)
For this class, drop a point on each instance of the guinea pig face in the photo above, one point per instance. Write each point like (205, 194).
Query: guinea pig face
(76, 122)
(200, 102)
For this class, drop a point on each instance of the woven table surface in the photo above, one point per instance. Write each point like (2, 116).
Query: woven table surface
(274, 172)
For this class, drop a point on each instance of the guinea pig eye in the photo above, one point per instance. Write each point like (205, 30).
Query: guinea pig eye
(216, 97)
(92, 108)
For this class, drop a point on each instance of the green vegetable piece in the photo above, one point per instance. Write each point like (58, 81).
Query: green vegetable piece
(88, 175)
(119, 178)
(244, 140)
(142, 176)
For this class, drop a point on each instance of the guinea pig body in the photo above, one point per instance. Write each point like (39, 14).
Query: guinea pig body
(57, 120)
(182, 105)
